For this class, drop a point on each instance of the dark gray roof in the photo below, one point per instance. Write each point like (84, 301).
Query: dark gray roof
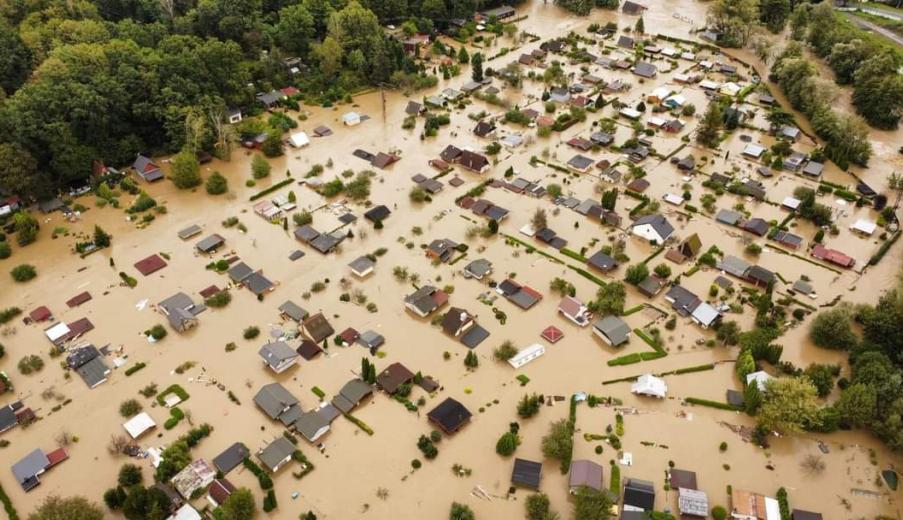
(351, 395)
(190, 231)
(727, 216)
(639, 494)
(325, 242)
(309, 423)
(210, 243)
(422, 299)
(231, 458)
(646, 70)
(306, 233)
(361, 264)
(258, 283)
(614, 328)
(371, 339)
(659, 223)
(450, 415)
(273, 399)
(601, 261)
(474, 336)
(682, 300)
(479, 267)
(7, 418)
(526, 473)
(276, 452)
(581, 162)
(93, 372)
(377, 213)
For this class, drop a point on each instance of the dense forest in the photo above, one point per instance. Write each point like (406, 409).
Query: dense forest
(104, 79)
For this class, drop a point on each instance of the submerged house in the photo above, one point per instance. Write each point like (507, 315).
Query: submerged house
(450, 415)
(88, 363)
(181, 311)
(278, 356)
(147, 169)
(425, 301)
(612, 330)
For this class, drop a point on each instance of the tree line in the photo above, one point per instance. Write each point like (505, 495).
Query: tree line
(105, 79)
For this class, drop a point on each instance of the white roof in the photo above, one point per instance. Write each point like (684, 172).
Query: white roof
(139, 424)
(185, 512)
(688, 56)
(660, 92)
(772, 509)
(533, 351)
(864, 226)
(669, 51)
(731, 89)
(673, 198)
(299, 139)
(648, 384)
(527, 230)
(709, 84)
(791, 202)
(656, 121)
(753, 150)
(705, 314)
(761, 377)
(512, 140)
(630, 113)
(351, 116)
(57, 331)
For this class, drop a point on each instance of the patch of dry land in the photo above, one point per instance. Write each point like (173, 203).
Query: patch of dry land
(365, 470)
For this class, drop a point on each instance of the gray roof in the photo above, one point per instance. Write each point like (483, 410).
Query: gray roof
(94, 372)
(309, 423)
(733, 265)
(277, 353)
(585, 473)
(682, 300)
(361, 264)
(7, 418)
(614, 328)
(240, 271)
(659, 223)
(190, 231)
(231, 458)
(803, 287)
(257, 283)
(727, 216)
(580, 162)
(422, 299)
(523, 299)
(640, 494)
(351, 395)
(29, 467)
(601, 261)
(325, 243)
(814, 168)
(273, 399)
(276, 452)
(646, 70)
(474, 336)
(479, 267)
(371, 339)
(210, 243)
(293, 310)
(306, 233)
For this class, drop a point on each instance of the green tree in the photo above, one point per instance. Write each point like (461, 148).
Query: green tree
(610, 299)
(26, 227)
(23, 273)
(471, 360)
(733, 19)
(538, 507)
(5, 250)
(295, 29)
(662, 270)
(239, 506)
(592, 504)
(636, 273)
(610, 199)
(822, 377)
(101, 237)
(709, 131)
(789, 405)
(833, 328)
(476, 67)
(878, 91)
(640, 26)
(558, 443)
(129, 475)
(15, 61)
(507, 443)
(728, 333)
(186, 171)
(528, 406)
(463, 57)
(216, 184)
(858, 405)
(260, 167)
(774, 14)
(460, 512)
(71, 508)
(745, 365)
(19, 170)
(539, 220)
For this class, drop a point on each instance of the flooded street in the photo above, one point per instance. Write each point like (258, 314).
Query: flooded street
(353, 467)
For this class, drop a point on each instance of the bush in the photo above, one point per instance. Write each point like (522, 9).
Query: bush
(7, 314)
(113, 498)
(220, 299)
(130, 407)
(719, 513)
(5, 250)
(157, 332)
(460, 512)
(507, 443)
(505, 351)
(129, 475)
(23, 273)
(216, 184)
(251, 332)
(30, 364)
(260, 167)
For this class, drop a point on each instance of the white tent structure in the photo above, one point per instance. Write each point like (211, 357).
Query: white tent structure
(649, 385)
(139, 424)
(299, 140)
(527, 354)
(351, 119)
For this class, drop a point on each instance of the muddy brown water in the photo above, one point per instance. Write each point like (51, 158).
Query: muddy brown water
(354, 466)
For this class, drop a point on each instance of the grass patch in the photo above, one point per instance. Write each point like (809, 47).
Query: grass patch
(172, 389)
(589, 276)
(573, 254)
(523, 379)
(175, 416)
(712, 404)
(318, 392)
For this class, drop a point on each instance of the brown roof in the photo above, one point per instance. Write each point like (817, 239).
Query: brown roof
(150, 265)
(220, 490)
(309, 350)
(394, 376)
(209, 291)
(318, 328)
(79, 299)
(40, 314)
(552, 334)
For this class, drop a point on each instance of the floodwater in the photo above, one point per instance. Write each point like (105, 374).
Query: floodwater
(358, 476)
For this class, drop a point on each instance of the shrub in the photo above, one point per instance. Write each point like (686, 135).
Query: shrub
(23, 273)
(505, 351)
(415, 463)
(5, 250)
(130, 407)
(719, 513)
(131, 370)
(157, 332)
(507, 443)
(260, 167)
(129, 475)
(251, 332)
(216, 184)
(30, 364)
(220, 299)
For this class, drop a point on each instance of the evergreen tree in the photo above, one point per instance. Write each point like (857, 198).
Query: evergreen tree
(476, 65)
(186, 171)
(709, 131)
(640, 26)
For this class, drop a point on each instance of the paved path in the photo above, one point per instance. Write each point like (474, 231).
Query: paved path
(887, 33)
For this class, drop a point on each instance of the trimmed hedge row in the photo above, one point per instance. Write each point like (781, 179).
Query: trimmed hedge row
(271, 189)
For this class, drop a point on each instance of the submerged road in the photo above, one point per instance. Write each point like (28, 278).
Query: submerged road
(865, 24)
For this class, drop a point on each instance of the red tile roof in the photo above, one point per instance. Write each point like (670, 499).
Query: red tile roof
(40, 314)
(56, 456)
(552, 334)
(79, 299)
(150, 265)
